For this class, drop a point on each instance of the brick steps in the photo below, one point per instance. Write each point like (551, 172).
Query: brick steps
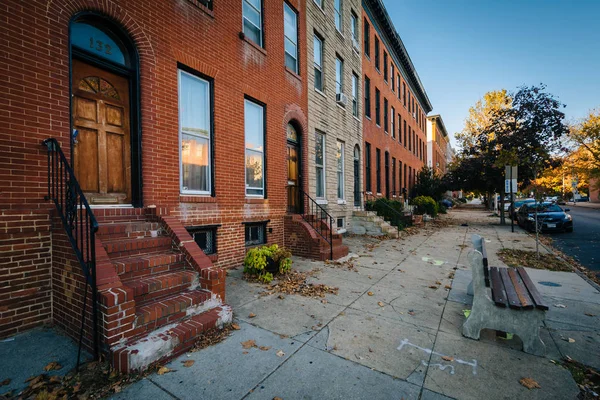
(148, 264)
(309, 243)
(152, 287)
(173, 308)
(127, 247)
(168, 341)
(133, 229)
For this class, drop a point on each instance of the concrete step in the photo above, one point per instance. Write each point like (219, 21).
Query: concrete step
(168, 341)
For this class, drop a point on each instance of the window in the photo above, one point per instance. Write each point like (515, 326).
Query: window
(354, 94)
(339, 75)
(290, 28)
(404, 93)
(320, 164)
(318, 61)
(205, 237)
(392, 73)
(255, 233)
(377, 106)
(409, 139)
(340, 223)
(367, 38)
(393, 176)
(252, 10)
(319, 3)
(399, 175)
(398, 82)
(393, 123)
(340, 169)
(255, 148)
(385, 66)
(367, 97)
(368, 166)
(399, 128)
(337, 8)
(378, 169)
(405, 182)
(377, 53)
(195, 134)
(404, 133)
(385, 115)
(354, 28)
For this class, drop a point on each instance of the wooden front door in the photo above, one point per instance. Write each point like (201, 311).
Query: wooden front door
(294, 205)
(102, 148)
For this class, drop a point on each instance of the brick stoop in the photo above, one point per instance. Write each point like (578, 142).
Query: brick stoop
(158, 290)
(304, 241)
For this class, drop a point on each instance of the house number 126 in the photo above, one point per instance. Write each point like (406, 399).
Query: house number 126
(100, 46)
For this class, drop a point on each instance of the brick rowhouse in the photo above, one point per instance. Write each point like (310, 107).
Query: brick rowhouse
(395, 108)
(132, 58)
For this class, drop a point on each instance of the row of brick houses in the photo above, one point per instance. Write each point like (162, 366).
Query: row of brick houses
(191, 131)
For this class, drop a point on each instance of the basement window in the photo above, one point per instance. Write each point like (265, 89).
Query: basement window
(205, 237)
(255, 233)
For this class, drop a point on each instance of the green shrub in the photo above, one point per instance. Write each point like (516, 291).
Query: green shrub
(425, 205)
(256, 261)
(441, 208)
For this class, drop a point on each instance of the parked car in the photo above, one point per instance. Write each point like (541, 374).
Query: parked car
(551, 199)
(550, 217)
(518, 204)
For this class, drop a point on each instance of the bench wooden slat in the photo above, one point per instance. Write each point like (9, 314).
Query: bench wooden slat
(511, 294)
(533, 292)
(520, 289)
(497, 288)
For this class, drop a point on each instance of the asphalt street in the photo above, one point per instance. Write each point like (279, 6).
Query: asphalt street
(583, 243)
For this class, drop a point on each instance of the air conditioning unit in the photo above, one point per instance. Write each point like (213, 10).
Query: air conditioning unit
(355, 45)
(342, 99)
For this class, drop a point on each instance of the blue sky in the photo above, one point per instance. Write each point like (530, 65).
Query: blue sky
(463, 49)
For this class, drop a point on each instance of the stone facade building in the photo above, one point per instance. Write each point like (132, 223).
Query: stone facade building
(395, 108)
(438, 144)
(334, 106)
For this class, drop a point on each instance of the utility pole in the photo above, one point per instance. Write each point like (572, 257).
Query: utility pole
(512, 202)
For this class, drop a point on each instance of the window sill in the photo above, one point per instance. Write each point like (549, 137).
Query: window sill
(340, 106)
(367, 117)
(254, 200)
(341, 201)
(191, 198)
(253, 44)
(320, 92)
(356, 51)
(340, 34)
(293, 74)
(356, 118)
(321, 201)
(203, 8)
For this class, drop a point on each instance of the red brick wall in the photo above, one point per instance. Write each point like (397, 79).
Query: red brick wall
(34, 80)
(375, 135)
(25, 265)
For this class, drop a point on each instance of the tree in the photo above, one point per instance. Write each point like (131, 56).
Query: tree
(584, 160)
(429, 183)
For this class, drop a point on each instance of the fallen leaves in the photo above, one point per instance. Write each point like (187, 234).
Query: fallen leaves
(590, 314)
(380, 304)
(570, 340)
(370, 293)
(249, 344)
(236, 327)
(529, 383)
(280, 353)
(53, 366)
(525, 258)
(432, 287)
(294, 282)
(188, 363)
(265, 348)
(447, 358)
(163, 370)
(251, 315)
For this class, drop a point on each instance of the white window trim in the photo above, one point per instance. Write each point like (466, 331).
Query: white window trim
(318, 66)
(297, 69)
(260, 28)
(246, 187)
(324, 149)
(342, 182)
(339, 13)
(210, 164)
(355, 84)
(341, 82)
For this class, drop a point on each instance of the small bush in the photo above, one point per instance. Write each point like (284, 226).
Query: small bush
(441, 208)
(257, 259)
(425, 205)
(389, 210)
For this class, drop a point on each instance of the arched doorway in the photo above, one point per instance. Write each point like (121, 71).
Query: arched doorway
(294, 160)
(356, 176)
(104, 97)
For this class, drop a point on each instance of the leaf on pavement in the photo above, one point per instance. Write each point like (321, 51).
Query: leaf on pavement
(236, 327)
(529, 383)
(251, 315)
(280, 353)
(264, 348)
(248, 344)
(163, 370)
(590, 314)
(370, 293)
(432, 287)
(447, 358)
(188, 363)
(52, 366)
(380, 304)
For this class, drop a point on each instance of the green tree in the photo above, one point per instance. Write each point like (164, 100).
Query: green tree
(429, 183)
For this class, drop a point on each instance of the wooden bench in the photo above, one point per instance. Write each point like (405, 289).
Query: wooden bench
(512, 305)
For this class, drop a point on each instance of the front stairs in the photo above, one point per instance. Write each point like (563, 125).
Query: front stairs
(164, 294)
(304, 240)
(369, 223)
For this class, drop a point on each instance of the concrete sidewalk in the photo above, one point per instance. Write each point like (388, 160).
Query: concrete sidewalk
(385, 333)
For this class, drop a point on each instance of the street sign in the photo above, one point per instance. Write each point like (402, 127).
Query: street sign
(507, 186)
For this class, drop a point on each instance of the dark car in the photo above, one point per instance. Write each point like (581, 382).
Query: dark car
(518, 204)
(550, 217)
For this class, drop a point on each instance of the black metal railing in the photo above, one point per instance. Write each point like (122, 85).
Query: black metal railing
(80, 225)
(318, 218)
